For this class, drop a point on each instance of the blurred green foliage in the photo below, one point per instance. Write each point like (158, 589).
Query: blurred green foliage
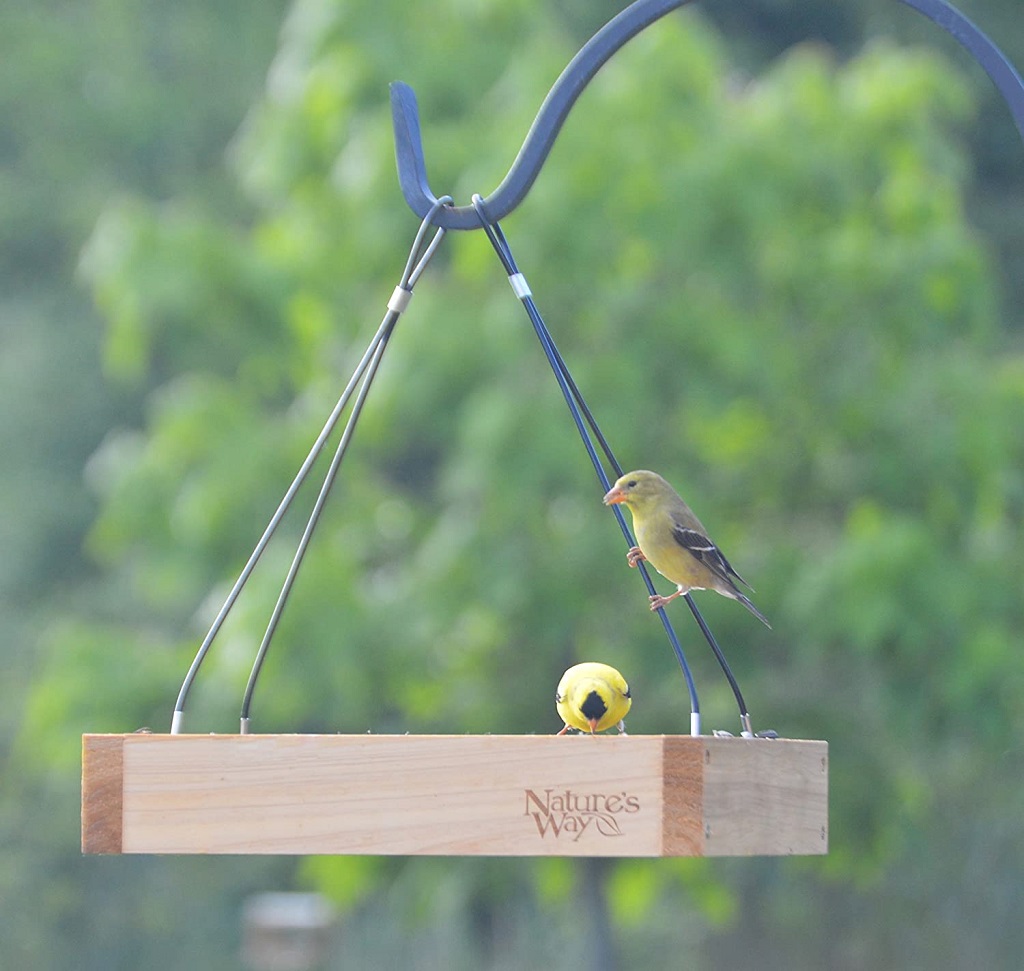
(768, 289)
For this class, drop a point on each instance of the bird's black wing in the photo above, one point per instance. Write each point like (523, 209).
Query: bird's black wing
(699, 546)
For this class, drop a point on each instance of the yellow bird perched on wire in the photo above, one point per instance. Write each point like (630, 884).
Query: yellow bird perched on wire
(592, 697)
(671, 538)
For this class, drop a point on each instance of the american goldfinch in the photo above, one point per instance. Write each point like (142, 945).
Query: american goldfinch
(673, 541)
(592, 697)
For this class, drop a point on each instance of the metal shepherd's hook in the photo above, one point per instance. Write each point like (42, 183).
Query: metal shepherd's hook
(412, 168)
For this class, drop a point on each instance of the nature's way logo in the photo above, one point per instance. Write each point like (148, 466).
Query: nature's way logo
(564, 813)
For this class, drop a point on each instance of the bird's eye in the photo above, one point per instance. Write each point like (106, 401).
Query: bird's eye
(631, 484)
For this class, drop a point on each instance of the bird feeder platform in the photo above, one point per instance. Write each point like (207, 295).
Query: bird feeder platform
(454, 795)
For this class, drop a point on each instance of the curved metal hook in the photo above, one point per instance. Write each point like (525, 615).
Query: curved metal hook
(412, 167)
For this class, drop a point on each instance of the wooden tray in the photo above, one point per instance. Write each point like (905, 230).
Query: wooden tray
(492, 795)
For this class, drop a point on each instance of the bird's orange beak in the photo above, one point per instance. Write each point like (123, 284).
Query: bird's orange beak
(614, 496)
(592, 722)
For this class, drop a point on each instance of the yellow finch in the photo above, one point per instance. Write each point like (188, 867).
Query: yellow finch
(673, 541)
(592, 697)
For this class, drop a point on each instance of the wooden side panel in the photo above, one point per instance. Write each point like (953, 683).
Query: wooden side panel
(434, 795)
(765, 797)
(101, 793)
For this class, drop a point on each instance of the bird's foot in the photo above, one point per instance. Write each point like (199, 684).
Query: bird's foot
(622, 728)
(565, 728)
(658, 601)
(634, 555)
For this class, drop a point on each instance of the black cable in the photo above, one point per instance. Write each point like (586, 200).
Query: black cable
(575, 398)
(399, 300)
(275, 521)
(578, 408)
(414, 267)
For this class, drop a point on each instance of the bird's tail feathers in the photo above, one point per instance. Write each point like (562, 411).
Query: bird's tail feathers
(745, 600)
(733, 574)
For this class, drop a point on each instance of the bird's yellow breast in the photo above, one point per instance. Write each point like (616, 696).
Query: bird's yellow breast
(655, 538)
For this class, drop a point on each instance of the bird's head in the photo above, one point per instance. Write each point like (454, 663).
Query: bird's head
(637, 489)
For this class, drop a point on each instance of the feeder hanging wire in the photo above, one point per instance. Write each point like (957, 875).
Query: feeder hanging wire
(581, 412)
(418, 259)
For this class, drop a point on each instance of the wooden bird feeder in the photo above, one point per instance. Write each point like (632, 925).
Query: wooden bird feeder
(494, 795)
(454, 795)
